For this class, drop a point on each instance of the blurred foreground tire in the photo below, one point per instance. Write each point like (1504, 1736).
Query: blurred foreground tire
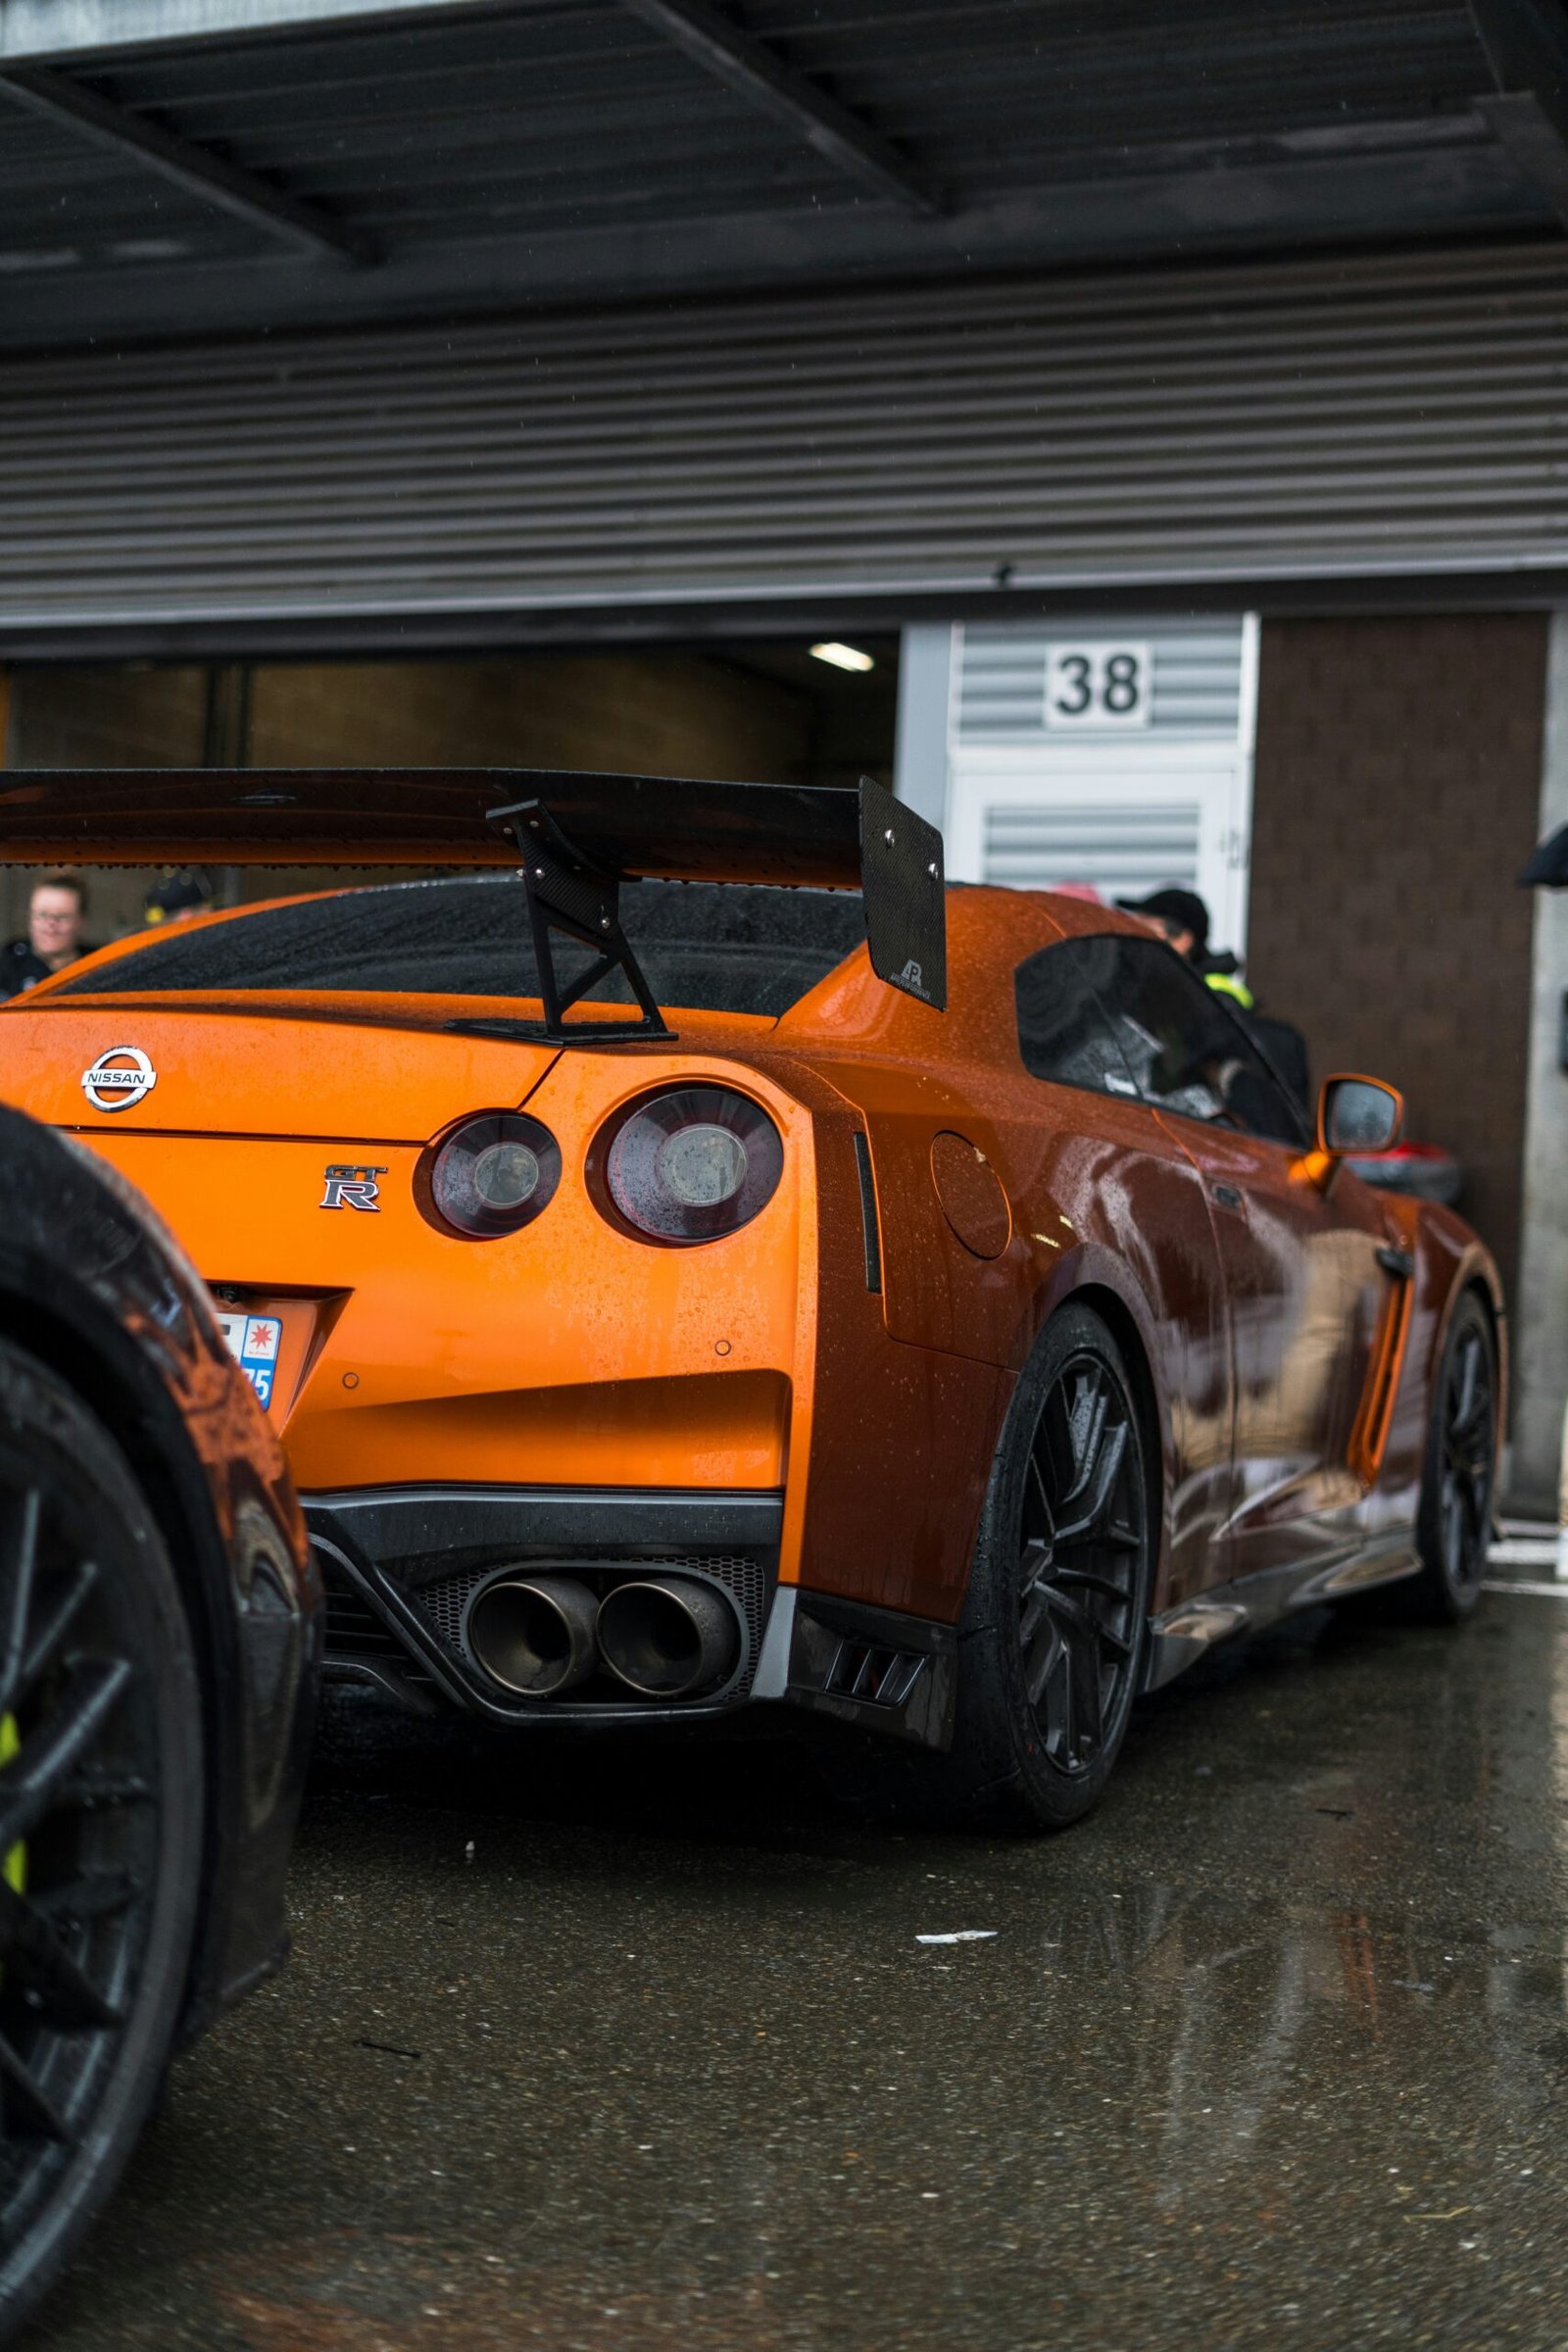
(101, 1811)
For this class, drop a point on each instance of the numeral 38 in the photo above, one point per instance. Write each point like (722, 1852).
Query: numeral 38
(1096, 685)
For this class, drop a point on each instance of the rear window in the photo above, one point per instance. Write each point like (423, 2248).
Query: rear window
(709, 947)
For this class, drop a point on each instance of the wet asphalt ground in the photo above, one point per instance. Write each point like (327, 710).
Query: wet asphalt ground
(593, 2049)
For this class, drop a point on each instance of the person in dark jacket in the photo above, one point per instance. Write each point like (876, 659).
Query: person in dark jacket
(1182, 916)
(176, 896)
(55, 915)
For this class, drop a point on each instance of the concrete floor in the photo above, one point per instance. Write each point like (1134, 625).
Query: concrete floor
(619, 2050)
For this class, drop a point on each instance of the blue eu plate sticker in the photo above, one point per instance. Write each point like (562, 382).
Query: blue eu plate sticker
(253, 1341)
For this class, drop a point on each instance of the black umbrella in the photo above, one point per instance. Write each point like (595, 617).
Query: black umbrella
(1548, 869)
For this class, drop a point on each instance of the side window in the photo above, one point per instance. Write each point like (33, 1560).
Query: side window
(1187, 1051)
(1063, 1032)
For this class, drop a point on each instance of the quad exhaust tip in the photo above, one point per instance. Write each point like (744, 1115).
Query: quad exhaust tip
(667, 1637)
(535, 1634)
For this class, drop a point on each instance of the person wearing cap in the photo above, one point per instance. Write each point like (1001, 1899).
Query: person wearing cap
(178, 895)
(53, 937)
(1182, 918)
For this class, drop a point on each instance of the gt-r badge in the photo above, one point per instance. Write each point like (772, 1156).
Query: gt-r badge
(352, 1187)
(119, 1078)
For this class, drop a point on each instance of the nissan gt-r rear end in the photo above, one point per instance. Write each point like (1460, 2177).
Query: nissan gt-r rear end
(531, 1323)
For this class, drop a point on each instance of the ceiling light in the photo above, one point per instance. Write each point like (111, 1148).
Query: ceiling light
(843, 657)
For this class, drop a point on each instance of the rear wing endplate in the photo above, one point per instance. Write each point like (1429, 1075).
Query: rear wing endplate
(577, 836)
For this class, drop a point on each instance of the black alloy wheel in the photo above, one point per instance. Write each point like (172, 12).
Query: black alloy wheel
(1052, 1637)
(100, 1819)
(1455, 1524)
(1081, 1545)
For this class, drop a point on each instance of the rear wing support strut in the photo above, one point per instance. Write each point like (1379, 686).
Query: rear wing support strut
(569, 894)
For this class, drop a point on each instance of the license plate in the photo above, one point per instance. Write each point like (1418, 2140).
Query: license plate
(254, 1342)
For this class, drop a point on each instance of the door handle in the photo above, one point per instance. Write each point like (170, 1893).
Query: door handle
(1397, 1262)
(1226, 1196)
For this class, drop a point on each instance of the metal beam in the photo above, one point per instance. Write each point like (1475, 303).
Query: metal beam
(748, 65)
(1462, 180)
(1526, 44)
(59, 99)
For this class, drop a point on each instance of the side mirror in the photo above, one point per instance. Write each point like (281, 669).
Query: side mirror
(1358, 1114)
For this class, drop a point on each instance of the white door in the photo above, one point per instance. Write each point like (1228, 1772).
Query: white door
(1125, 827)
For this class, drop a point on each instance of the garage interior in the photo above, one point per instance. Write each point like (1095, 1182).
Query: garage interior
(756, 710)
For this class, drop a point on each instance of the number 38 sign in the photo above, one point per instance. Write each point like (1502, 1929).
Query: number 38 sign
(1103, 683)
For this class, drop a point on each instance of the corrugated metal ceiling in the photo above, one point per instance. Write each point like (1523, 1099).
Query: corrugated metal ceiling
(565, 149)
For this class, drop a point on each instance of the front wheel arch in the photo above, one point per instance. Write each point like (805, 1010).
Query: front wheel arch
(1005, 1763)
(1444, 1591)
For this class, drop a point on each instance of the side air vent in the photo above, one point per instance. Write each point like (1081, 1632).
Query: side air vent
(868, 1223)
(884, 1677)
(891, 1674)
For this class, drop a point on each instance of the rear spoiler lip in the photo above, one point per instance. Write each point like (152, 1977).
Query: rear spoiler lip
(621, 826)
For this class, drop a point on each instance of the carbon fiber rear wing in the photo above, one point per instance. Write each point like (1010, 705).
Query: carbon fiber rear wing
(577, 838)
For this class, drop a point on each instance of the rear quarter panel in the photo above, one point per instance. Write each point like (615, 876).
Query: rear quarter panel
(1100, 1198)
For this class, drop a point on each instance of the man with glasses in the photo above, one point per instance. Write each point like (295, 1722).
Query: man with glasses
(55, 914)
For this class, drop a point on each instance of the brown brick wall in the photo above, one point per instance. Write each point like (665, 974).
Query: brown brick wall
(674, 715)
(1398, 781)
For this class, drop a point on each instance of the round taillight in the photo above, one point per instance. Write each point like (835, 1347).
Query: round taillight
(690, 1165)
(490, 1176)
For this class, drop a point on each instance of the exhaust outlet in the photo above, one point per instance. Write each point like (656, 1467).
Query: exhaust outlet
(535, 1634)
(666, 1637)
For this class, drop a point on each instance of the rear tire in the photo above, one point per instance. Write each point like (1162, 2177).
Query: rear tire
(1055, 1626)
(100, 1821)
(1454, 1521)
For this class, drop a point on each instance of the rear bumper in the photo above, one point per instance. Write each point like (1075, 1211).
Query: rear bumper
(400, 1565)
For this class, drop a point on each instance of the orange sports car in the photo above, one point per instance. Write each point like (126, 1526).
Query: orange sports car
(698, 1260)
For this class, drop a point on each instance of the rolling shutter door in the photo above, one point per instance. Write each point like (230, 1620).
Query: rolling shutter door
(1369, 416)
